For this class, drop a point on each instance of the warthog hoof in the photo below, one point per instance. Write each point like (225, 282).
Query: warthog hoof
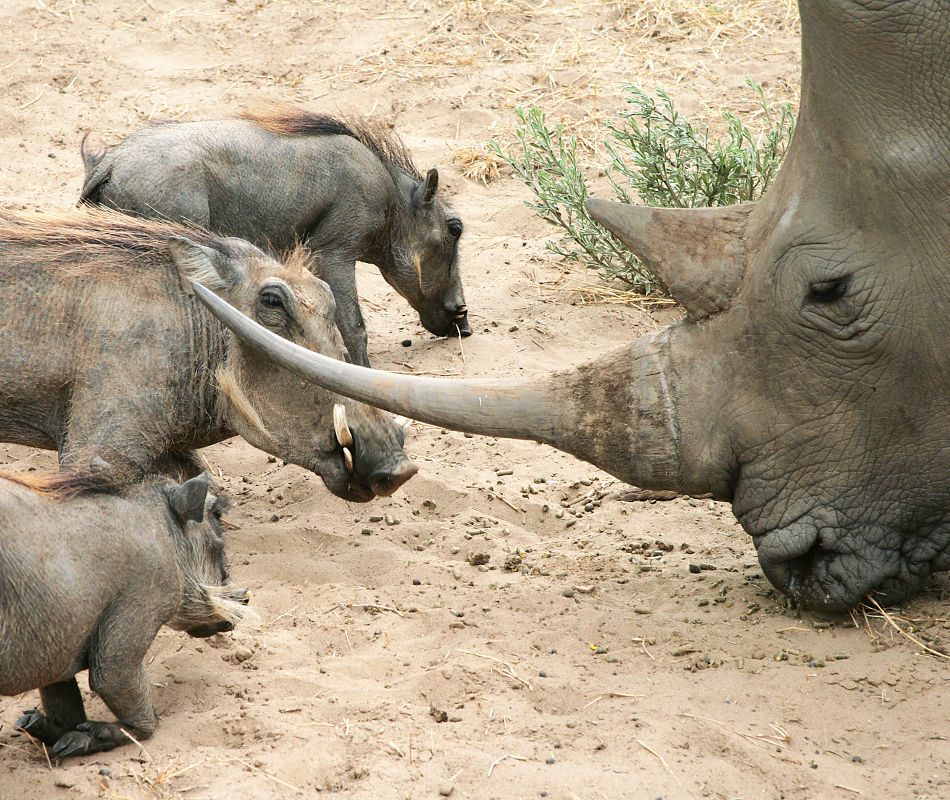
(36, 724)
(90, 737)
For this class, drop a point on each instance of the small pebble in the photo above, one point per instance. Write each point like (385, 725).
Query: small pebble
(695, 569)
(106, 772)
(589, 507)
(407, 342)
(549, 760)
(416, 582)
(367, 531)
(567, 592)
(446, 791)
(857, 759)
(542, 674)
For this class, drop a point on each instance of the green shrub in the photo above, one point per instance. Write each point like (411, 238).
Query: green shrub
(656, 156)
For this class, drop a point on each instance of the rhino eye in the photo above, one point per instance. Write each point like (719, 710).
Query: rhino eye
(825, 292)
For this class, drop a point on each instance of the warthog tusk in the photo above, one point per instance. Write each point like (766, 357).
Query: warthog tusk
(340, 428)
(348, 458)
(402, 422)
(461, 310)
(460, 316)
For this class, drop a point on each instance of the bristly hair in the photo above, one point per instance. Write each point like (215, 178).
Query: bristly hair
(81, 241)
(65, 485)
(294, 121)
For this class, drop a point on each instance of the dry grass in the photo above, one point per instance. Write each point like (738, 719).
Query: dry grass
(476, 163)
(670, 20)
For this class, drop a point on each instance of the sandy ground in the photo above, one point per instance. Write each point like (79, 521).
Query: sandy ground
(386, 665)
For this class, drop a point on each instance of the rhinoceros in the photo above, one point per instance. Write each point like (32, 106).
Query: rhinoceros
(809, 383)
(89, 572)
(347, 190)
(103, 354)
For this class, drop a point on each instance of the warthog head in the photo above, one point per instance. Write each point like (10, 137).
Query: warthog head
(810, 382)
(422, 259)
(210, 604)
(356, 449)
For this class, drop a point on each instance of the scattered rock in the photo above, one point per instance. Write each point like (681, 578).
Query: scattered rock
(478, 559)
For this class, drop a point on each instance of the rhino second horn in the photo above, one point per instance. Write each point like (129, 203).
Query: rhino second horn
(697, 253)
(340, 428)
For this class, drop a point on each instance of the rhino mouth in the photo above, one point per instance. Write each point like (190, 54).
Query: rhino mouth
(815, 569)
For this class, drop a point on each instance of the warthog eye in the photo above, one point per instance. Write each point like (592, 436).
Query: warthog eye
(455, 227)
(825, 292)
(271, 300)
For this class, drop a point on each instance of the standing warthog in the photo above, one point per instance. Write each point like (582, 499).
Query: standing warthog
(102, 353)
(810, 383)
(345, 190)
(88, 575)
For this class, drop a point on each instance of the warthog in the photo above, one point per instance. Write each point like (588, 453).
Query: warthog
(810, 383)
(346, 190)
(103, 353)
(88, 575)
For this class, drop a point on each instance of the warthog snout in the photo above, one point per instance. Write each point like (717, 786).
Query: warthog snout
(446, 319)
(460, 321)
(374, 471)
(210, 629)
(386, 482)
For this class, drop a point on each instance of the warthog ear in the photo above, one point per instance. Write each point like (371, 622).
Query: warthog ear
(205, 265)
(698, 254)
(425, 192)
(188, 500)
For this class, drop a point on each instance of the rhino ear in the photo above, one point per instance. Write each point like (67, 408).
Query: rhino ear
(202, 264)
(698, 254)
(188, 500)
(425, 192)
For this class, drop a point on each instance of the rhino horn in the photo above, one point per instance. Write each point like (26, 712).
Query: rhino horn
(625, 425)
(696, 253)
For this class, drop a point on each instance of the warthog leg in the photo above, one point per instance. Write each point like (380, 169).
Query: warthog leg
(63, 705)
